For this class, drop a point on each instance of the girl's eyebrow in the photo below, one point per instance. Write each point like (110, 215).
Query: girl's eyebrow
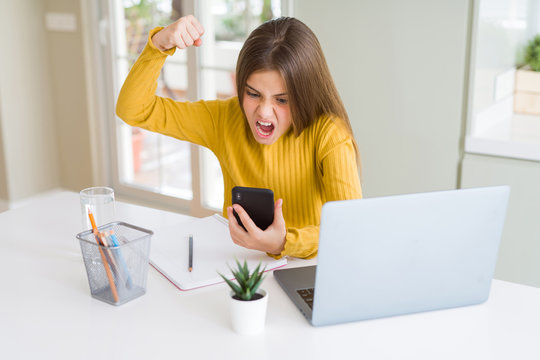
(257, 91)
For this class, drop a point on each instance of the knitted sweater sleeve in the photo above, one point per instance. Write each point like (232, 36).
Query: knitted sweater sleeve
(138, 105)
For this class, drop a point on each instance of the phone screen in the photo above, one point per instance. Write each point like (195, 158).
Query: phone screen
(257, 202)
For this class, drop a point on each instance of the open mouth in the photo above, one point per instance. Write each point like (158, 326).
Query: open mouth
(264, 129)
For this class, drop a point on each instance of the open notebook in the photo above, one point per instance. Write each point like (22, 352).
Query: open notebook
(213, 252)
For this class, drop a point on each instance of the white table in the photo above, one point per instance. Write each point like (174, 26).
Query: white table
(46, 310)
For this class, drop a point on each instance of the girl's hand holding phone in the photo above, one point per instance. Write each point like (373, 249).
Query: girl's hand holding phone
(271, 240)
(182, 33)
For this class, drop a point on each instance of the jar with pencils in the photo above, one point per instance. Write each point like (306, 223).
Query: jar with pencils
(115, 256)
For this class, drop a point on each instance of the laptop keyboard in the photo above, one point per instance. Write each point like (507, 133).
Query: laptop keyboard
(307, 296)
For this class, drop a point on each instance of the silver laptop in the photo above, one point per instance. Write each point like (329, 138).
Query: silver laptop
(401, 254)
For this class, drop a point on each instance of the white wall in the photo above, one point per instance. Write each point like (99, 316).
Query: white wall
(44, 125)
(519, 253)
(67, 69)
(400, 69)
(28, 130)
(4, 205)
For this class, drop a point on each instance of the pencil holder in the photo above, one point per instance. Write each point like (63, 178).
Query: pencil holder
(116, 261)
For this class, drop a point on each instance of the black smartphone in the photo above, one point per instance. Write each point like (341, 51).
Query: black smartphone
(258, 203)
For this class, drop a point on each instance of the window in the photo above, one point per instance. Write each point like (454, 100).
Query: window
(498, 122)
(153, 166)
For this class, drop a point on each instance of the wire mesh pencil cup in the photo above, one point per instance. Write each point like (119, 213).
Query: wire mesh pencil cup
(117, 274)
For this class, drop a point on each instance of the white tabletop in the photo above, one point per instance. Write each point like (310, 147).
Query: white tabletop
(46, 310)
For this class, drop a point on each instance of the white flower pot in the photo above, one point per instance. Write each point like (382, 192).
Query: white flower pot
(248, 317)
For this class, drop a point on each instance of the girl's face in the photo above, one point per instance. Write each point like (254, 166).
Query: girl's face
(266, 105)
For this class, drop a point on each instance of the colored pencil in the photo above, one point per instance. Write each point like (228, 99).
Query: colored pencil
(109, 253)
(103, 258)
(121, 258)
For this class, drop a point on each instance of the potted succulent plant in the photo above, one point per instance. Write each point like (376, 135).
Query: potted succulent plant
(527, 86)
(248, 303)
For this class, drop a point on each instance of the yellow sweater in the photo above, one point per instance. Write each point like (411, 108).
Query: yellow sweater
(305, 171)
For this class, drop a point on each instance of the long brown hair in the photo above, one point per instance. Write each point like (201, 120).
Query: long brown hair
(287, 45)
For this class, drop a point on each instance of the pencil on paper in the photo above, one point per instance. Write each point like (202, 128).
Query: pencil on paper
(190, 268)
(103, 258)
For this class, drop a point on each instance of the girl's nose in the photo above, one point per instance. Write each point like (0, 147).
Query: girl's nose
(265, 108)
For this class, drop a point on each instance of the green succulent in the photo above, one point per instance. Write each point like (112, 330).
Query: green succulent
(247, 283)
(532, 53)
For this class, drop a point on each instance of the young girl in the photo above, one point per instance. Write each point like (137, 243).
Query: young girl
(287, 129)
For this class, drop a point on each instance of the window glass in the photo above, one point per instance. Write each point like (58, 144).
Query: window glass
(160, 164)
